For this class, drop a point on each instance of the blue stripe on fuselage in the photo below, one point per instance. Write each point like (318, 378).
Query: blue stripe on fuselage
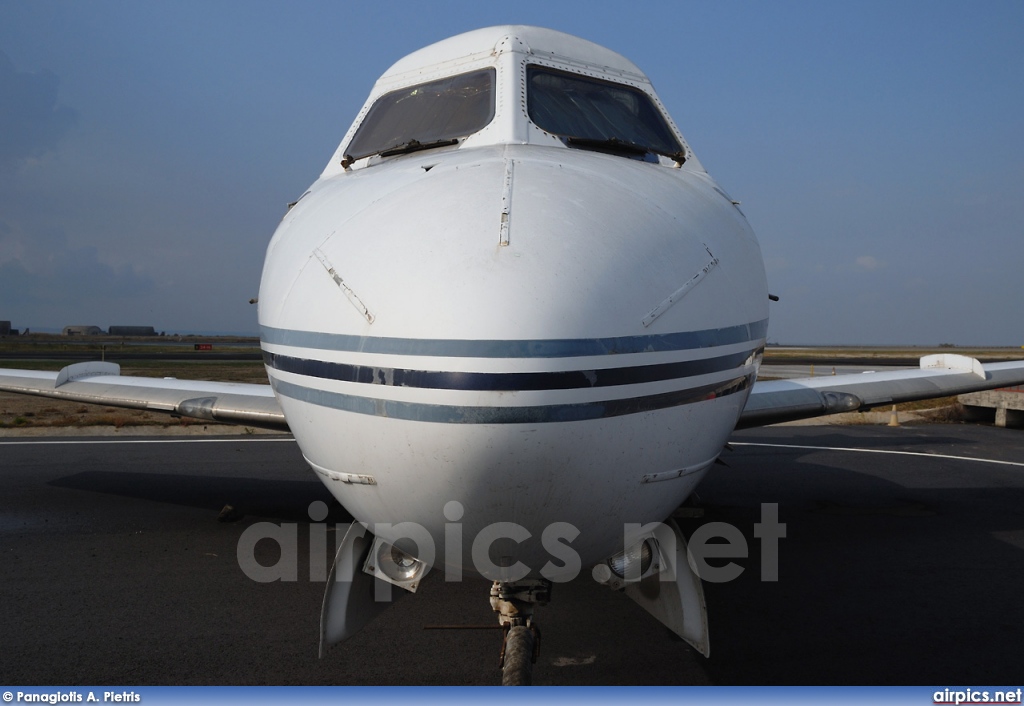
(540, 348)
(530, 414)
(511, 381)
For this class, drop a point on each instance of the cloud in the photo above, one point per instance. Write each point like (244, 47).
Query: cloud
(31, 122)
(867, 262)
(46, 270)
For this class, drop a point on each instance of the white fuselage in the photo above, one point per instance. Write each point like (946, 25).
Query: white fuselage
(509, 326)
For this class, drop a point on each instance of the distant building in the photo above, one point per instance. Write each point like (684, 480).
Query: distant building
(5, 328)
(132, 331)
(83, 331)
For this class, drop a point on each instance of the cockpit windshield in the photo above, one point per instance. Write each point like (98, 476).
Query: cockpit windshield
(428, 115)
(598, 114)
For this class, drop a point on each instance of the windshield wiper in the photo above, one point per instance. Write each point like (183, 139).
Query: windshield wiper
(416, 146)
(403, 148)
(677, 157)
(610, 144)
(616, 146)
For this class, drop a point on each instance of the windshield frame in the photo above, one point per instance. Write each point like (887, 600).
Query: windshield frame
(656, 133)
(412, 127)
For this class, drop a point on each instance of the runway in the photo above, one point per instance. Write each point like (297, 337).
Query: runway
(897, 568)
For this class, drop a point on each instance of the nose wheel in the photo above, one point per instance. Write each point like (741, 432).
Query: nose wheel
(514, 602)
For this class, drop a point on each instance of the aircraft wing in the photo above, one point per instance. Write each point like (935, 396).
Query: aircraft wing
(770, 401)
(942, 375)
(102, 383)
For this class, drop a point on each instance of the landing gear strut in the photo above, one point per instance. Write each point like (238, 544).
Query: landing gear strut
(514, 603)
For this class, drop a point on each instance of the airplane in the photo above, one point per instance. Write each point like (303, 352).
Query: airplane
(511, 327)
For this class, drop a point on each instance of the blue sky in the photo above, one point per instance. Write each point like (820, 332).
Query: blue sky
(148, 150)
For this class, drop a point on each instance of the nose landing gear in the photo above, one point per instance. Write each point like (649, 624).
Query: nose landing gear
(514, 603)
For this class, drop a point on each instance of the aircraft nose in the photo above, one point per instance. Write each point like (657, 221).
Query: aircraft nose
(515, 245)
(484, 320)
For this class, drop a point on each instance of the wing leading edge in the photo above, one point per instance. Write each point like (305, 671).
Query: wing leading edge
(770, 402)
(102, 383)
(942, 375)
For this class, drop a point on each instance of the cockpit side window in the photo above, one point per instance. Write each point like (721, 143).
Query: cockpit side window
(428, 115)
(591, 112)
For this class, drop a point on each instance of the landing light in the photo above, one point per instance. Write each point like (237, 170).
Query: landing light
(635, 562)
(388, 562)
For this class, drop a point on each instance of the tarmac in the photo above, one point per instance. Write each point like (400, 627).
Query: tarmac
(902, 564)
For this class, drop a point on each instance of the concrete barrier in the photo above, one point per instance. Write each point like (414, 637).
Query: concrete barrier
(1005, 406)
